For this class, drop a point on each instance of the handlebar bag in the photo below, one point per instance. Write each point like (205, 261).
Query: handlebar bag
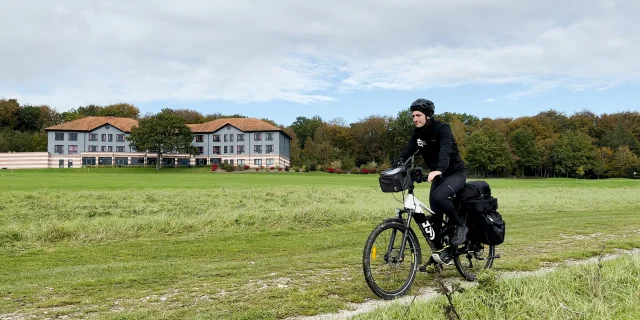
(395, 179)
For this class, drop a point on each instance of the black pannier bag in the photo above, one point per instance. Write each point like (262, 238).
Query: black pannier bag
(486, 227)
(395, 179)
(474, 189)
(484, 221)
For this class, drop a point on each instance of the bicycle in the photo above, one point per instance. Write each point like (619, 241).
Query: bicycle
(392, 253)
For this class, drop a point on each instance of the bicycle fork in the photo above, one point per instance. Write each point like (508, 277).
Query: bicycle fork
(427, 230)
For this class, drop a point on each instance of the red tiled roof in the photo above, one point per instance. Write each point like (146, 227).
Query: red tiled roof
(125, 124)
(244, 124)
(90, 123)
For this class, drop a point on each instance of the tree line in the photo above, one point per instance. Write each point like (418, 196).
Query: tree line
(549, 144)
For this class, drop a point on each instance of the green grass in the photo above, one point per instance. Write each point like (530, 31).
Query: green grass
(187, 243)
(608, 290)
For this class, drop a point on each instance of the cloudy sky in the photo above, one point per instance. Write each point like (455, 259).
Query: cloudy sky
(344, 59)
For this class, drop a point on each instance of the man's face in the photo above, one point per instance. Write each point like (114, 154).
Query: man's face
(419, 119)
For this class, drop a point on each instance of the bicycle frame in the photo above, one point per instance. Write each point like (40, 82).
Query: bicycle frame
(415, 210)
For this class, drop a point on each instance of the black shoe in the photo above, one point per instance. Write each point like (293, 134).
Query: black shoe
(458, 235)
(425, 267)
(442, 256)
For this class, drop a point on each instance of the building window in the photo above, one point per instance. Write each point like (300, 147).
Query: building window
(199, 138)
(240, 137)
(257, 162)
(270, 161)
(269, 136)
(226, 138)
(225, 147)
(257, 149)
(216, 150)
(110, 148)
(119, 137)
(73, 149)
(257, 136)
(120, 149)
(241, 162)
(104, 137)
(216, 138)
(269, 148)
(231, 149)
(93, 148)
(59, 149)
(231, 138)
(93, 137)
(110, 138)
(59, 136)
(200, 150)
(103, 148)
(240, 149)
(73, 136)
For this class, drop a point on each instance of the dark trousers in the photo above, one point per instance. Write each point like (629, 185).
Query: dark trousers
(441, 191)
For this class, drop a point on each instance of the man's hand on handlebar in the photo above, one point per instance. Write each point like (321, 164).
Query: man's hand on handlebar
(433, 175)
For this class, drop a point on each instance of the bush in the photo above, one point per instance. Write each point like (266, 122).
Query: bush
(257, 169)
(214, 167)
(246, 167)
(364, 171)
(287, 169)
(330, 170)
(339, 171)
(272, 168)
(227, 167)
(355, 170)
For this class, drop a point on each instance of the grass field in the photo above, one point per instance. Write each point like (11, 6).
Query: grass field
(187, 243)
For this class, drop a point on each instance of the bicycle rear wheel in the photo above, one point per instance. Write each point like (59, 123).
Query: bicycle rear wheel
(473, 258)
(389, 274)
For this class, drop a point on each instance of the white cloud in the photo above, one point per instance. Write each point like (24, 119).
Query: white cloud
(489, 100)
(78, 52)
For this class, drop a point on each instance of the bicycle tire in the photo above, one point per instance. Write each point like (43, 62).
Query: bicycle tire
(380, 269)
(469, 272)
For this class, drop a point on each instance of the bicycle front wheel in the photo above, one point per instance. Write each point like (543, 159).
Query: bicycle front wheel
(389, 273)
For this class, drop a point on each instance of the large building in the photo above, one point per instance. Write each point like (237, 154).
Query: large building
(102, 141)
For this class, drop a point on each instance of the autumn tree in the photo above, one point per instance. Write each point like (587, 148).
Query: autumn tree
(123, 110)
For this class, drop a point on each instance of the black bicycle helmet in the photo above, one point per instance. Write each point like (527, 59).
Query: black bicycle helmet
(425, 106)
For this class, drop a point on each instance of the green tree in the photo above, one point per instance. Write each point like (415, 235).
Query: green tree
(190, 116)
(162, 133)
(370, 136)
(603, 161)
(488, 152)
(400, 131)
(305, 128)
(624, 162)
(620, 136)
(91, 110)
(523, 144)
(574, 149)
(29, 119)
(295, 156)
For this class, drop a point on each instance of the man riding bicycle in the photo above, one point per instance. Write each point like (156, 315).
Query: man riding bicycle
(439, 150)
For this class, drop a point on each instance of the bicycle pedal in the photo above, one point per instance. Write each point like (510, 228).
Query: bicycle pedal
(437, 259)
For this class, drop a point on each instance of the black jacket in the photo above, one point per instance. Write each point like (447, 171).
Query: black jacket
(437, 146)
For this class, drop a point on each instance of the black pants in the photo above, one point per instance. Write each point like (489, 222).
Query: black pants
(441, 191)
